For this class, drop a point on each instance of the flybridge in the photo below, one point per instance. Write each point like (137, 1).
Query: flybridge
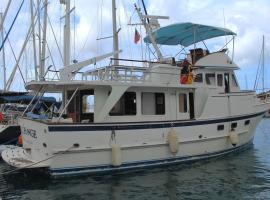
(186, 34)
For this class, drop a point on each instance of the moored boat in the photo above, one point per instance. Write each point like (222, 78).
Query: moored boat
(135, 117)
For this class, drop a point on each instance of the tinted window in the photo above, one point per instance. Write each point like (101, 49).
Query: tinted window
(234, 125)
(220, 80)
(153, 103)
(247, 122)
(126, 105)
(198, 78)
(220, 127)
(234, 82)
(210, 79)
(227, 83)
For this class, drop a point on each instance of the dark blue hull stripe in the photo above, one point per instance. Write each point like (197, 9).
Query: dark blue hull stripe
(144, 125)
(144, 164)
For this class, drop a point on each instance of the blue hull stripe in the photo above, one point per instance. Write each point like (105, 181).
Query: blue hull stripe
(144, 164)
(145, 125)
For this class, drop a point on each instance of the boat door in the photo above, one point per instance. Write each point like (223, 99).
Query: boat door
(182, 105)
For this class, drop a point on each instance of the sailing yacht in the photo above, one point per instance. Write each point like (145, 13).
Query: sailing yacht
(126, 117)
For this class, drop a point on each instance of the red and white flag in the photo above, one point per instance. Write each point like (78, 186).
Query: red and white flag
(137, 36)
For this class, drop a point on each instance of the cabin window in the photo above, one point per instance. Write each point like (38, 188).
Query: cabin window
(182, 103)
(220, 127)
(234, 125)
(220, 80)
(247, 122)
(88, 103)
(210, 79)
(227, 83)
(126, 105)
(198, 78)
(153, 103)
(234, 82)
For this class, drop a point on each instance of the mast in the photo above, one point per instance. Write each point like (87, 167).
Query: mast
(4, 15)
(115, 34)
(3, 54)
(149, 32)
(34, 39)
(66, 33)
(43, 51)
(66, 45)
(39, 35)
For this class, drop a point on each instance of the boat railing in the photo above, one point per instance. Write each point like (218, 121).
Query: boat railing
(124, 72)
(117, 73)
(127, 72)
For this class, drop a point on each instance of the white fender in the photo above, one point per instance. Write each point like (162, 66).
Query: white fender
(116, 155)
(173, 141)
(234, 138)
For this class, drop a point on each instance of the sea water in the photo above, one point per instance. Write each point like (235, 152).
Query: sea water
(244, 175)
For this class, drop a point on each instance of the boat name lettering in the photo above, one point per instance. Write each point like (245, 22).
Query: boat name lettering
(30, 132)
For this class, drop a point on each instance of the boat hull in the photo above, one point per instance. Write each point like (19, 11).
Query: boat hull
(74, 149)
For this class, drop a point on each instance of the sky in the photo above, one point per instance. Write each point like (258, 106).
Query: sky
(91, 20)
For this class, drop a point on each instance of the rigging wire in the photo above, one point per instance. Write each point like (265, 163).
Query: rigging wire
(87, 37)
(257, 73)
(13, 53)
(126, 37)
(12, 24)
(56, 42)
(50, 53)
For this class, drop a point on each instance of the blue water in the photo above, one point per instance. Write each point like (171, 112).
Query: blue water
(245, 175)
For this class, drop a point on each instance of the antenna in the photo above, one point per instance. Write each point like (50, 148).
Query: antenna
(224, 23)
(263, 64)
(153, 22)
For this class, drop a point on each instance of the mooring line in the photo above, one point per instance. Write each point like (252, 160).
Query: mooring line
(33, 164)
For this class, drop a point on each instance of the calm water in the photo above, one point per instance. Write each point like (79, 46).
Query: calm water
(239, 176)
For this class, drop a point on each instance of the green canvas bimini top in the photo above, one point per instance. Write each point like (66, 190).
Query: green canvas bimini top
(186, 34)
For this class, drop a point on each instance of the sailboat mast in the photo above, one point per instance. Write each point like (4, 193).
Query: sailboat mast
(66, 45)
(3, 54)
(4, 15)
(43, 51)
(66, 33)
(34, 40)
(115, 34)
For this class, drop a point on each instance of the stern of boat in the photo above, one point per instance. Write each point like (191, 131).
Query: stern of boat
(34, 152)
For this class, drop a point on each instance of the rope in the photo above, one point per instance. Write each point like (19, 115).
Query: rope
(33, 164)
(9, 141)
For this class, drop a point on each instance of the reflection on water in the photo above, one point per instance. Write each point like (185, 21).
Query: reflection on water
(239, 176)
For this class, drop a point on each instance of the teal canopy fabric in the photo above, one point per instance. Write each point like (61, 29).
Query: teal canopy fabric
(186, 34)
